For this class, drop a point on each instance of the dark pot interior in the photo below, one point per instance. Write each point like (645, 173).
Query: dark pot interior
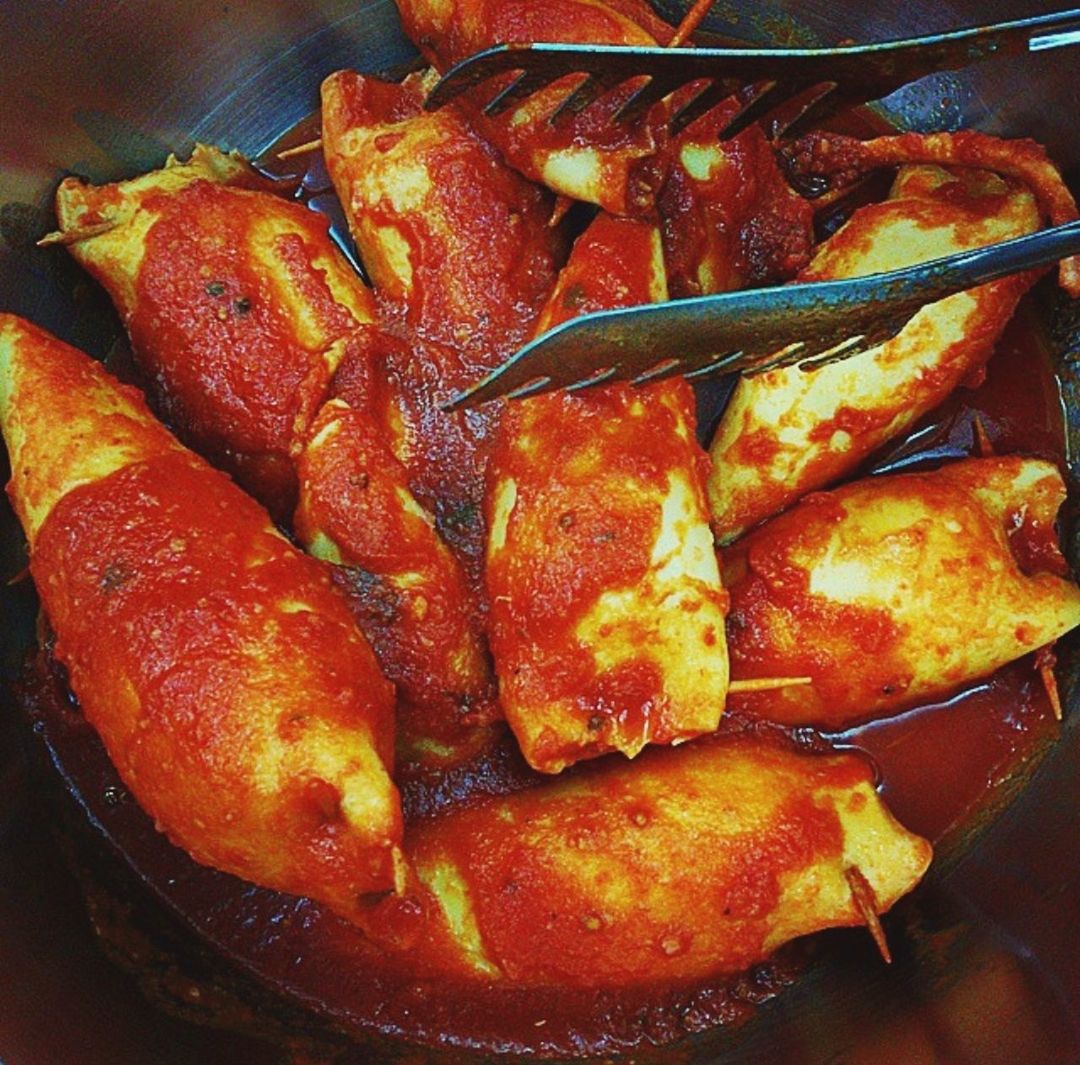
(991, 972)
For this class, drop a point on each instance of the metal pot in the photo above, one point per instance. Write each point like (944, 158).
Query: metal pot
(109, 88)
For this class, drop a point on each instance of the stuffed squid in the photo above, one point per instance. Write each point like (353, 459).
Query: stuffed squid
(898, 590)
(249, 322)
(238, 304)
(586, 157)
(690, 862)
(461, 258)
(606, 611)
(788, 432)
(228, 681)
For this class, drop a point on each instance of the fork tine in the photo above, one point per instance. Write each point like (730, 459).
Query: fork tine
(655, 373)
(473, 71)
(652, 92)
(525, 84)
(824, 352)
(667, 368)
(755, 362)
(588, 91)
(691, 367)
(701, 103)
(531, 389)
(720, 364)
(763, 98)
(786, 115)
(598, 378)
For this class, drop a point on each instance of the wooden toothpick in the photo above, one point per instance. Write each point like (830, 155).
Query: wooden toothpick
(1045, 660)
(862, 893)
(768, 684)
(691, 21)
(73, 236)
(300, 149)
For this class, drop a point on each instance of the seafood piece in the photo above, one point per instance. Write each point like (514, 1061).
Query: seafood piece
(690, 862)
(897, 590)
(729, 218)
(587, 157)
(233, 375)
(238, 305)
(789, 431)
(606, 610)
(461, 257)
(841, 160)
(226, 678)
(356, 511)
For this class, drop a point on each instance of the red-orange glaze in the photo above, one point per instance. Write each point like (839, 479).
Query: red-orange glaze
(528, 898)
(1034, 544)
(742, 226)
(840, 160)
(224, 356)
(790, 617)
(955, 206)
(613, 264)
(171, 596)
(481, 261)
(539, 589)
(410, 595)
(630, 169)
(590, 472)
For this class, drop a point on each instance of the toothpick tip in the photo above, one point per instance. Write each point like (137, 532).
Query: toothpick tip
(300, 149)
(862, 894)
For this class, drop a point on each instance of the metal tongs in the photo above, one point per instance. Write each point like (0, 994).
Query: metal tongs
(765, 78)
(751, 331)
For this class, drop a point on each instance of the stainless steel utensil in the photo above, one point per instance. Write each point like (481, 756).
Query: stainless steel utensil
(847, 75)
(110, 87)
(756, 330)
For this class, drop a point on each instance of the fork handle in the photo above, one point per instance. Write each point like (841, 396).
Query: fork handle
(773, 317)
(938, 278)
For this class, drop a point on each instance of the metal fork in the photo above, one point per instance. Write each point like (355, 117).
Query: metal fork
(768, 76)
(752, 331)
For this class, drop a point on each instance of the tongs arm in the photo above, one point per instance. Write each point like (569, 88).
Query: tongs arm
(755, 330)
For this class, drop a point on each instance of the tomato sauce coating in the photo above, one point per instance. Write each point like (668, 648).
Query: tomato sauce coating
(789, 431)
(228, 681)
(587, 157)
(237, 304)
(730, 219)
(887, 573)
(175, 632)
(588, 881)
(409, 592)
(606, 610)
(574, 298)
(461, 257)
